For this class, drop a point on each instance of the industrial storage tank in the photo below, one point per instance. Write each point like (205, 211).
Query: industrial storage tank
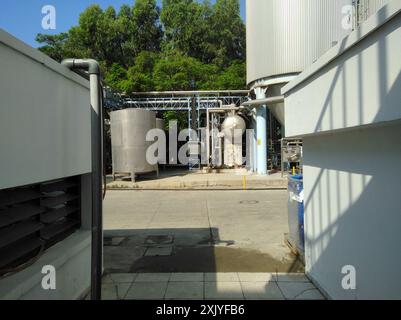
(128, 141)
(233, 128)
(286, 36)
(233, 125)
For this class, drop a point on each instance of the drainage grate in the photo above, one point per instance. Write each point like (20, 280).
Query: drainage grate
(249, 202)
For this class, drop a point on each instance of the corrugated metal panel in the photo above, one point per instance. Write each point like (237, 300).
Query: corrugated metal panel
(285, 36)
(369, 7)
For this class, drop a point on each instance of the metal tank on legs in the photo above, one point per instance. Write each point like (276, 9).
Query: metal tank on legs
(128, 139)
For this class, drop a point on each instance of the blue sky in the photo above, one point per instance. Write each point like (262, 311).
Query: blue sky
(23, 18)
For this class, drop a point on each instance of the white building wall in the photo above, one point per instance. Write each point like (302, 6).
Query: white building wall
(347, 108)
(353, 211)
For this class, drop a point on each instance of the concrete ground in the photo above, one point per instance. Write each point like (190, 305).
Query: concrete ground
(208, 286)
(184, 179)
(155, 238)
(224, 231)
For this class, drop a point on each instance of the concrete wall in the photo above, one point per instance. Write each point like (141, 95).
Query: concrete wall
(347, 108)
(353, 211)
(45, 134)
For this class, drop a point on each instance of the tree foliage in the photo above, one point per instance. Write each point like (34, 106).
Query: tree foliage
(183, 46)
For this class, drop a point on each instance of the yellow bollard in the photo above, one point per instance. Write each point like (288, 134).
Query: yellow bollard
(244, 182)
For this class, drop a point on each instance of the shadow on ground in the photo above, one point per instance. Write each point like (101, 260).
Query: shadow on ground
(186, 250)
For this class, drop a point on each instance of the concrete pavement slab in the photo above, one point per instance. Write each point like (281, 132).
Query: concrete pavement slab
(261, 291)
(147, 291)
(223, 290)
(184, 290)
(153, 277)
(185, 277)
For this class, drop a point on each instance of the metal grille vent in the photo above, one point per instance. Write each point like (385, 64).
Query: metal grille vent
(33, 218)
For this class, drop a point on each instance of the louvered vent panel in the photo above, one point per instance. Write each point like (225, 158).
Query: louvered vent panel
(33, 218)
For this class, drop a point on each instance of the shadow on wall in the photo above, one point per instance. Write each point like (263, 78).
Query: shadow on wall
(387, 95)
(353, 212)
(353, 204)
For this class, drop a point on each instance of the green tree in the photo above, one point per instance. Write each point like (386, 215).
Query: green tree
(86, 37)
(232, 77)
(186, 45)
(139, 29)
(147, 29)
(116, 77)
(140, 76)
(187, 27)
(228, 32)
(180, 72)
(54, 45)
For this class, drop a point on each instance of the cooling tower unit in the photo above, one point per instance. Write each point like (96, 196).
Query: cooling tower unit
(128, 139)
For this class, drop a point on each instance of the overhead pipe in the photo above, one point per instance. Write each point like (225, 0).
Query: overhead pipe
(92, 67)
(186, 93)
(265, 101)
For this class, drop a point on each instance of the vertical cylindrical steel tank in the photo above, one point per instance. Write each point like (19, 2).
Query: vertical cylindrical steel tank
(285, 36)
(128, 140)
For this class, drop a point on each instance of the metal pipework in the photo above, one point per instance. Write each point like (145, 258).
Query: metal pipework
(221, 109)
(186, 93)
(92, 67)
(208, 128)
(261, 131)
(265, 101)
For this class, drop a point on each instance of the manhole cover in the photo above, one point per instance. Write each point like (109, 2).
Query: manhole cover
(159, 239)
(249, 202)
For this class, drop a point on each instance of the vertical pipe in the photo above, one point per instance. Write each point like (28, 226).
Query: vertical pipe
(92, 66)
(255, 143)
(97, 229)
(207, 138)
(194, 115)
(261, 133)
(261, 137)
